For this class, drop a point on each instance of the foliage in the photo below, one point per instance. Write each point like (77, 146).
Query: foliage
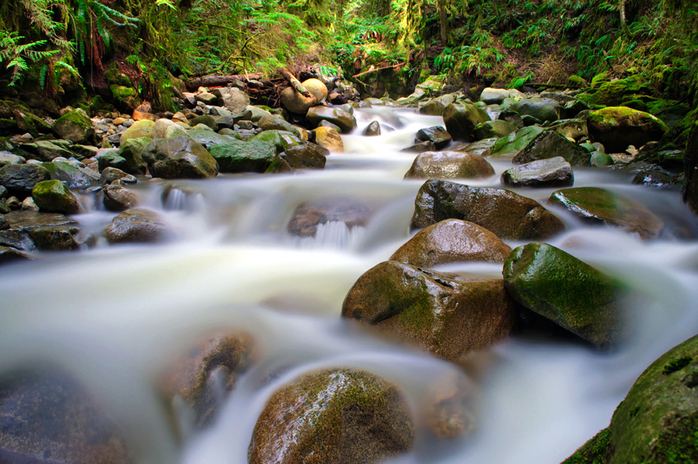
(16, 55)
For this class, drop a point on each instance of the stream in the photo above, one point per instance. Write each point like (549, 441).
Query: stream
(112, 315)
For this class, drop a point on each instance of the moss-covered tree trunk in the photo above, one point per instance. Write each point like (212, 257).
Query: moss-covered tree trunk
(444, 22)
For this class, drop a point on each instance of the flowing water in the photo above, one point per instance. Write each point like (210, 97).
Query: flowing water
(113, 315)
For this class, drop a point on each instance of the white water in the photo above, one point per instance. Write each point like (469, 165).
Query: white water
(114, 315)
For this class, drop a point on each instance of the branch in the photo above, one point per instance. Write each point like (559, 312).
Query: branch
(295, 83)
(378, 69)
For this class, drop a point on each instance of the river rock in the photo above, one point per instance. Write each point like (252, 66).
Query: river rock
(215, 362)
(618, 127)
(360, 419)
(329, 138)
(308, 216)
(70, 175)
(600, 206)
(656, 422)
(552, 172)
(165, 129)
(132, 150)
(118, 198)
(448, 165)
(75, 126)
(205, 119)
(55, 238)
(494, 96)
(4, 223)
(567, 291)
(8, 255)
(7, 157)
(550, 144)
(238, 156)
(235, 100)
(110, 175)
(45, 150)
(461, 119)
(543, 109)
(29, 205)
(138, 129)
(20, 179)
(296, 102)
(316, 88)
(274, 122)
(690, 193)
(512, 144)
(575, 130)
(420, 147)
(49, 418)
(436, 106)
(447, 314)
(28, 220)
(506, 214)
(373, 129)
(451, 240)
(209, 138)
(53, 196)
(489, 129)
(435, 134)
(109, 157)
(306, 156)
(137, 225)
(326, 123)
(336, 116)
(282, 140)
(179, 158)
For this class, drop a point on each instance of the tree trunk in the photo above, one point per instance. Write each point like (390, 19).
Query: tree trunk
(444, 22)
(623, 22)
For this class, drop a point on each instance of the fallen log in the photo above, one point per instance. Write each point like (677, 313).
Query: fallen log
(218, 81)
(295, 83)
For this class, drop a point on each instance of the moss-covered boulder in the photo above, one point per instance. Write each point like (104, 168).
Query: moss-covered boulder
(435, 134)
(436, 106)
(498, 128)
(657, 421)
(124, 97)
(166, 128)
(209, 138)
(75, 126)
(552, 172)
(137, 225)
(70, 175)
(206, 119)
(690, 194)
(53, 196)
(549, 144)
(179, 158)
(567, 291)
(601, 206)
(56, 238)
(451, 240)
(252, 156)
(132, 150)
(196, 376)
(329, 138)
(618, 127)
(282, 140)
(461, 119)
(449, 165)
(139, 129)
(572, 129)
(506, 214)
(543, 109)
(20, 179)
(345, 121)
(45, 150)
(447, 314)
(360, 418)
(49, 417)
(513, 143)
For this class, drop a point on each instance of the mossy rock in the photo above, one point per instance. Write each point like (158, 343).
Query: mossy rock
(567, 291)
(124, 97)
(132, 150)
(361, 419)
(572, 129)
(494, 129)
(75, 126)
(282, 140)
(506, 214)
(690, 194)
(447, 314)
(306, 156)
(435, 134)
(461, 119)
(55, 238)
(577, 82)
(513, 143)
(166, 128)
(449, 165)
(206, 119)
(209, 138)
(54, 197)
(618, 127)
(179, 158)
(436, 106)
(549, 144)
(601, 206)
(70, 175)
(657, 422)
(252, 156)
(543, 109)
(139, 129)
(551, 172)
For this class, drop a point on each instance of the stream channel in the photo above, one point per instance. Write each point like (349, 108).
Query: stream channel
(113, 314)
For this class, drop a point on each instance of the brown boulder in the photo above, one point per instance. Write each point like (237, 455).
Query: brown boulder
(449, 165)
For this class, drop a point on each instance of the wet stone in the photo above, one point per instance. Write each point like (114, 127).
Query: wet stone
(54, 197)
(55, 238)
(118, 198)
(110, 175)
(308, 216)
(137, 225)
(552, 172)
(8, 255)
(448, 165)
(420, 147)
(435, 134)
(373, 129)
(20, 179)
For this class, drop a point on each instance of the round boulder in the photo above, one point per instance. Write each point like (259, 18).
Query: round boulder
(329, 138)
(448, 165)
(297, 103)
(618, 127)
(54, 197)
(552, 172)
(179, 158)
(137, 225)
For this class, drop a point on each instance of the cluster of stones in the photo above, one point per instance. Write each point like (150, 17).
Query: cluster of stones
(362, 418)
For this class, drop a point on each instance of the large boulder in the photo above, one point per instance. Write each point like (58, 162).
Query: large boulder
(567, 291)
(47, 417)
(656, 423)
(340, 118)
(296, 102)
(494, 96)
(20, 179)
(53, 196)
(132, 150)
(196, 376)
(70, 175)
(334, 416)
(209, 138)
(252, 156)
(600, 206)
(30, 230)
(436, 106)
(316, 88)
(274, 122)
(306, 156)
(282, 140)
(573, 129)
(75, 126)
(329, 138)
(166, 128)
(179, 158)
(506, 214)
(451, 240)
(461, 119)
(448, 165)
(138, 129)
(690, 194)
(543, 109)
(235, 100)
(137, 225)
(489, 129)
(513, 143)
(447, 314)
(551, 172)
(435, 134)
(550, 144)
(618, 127)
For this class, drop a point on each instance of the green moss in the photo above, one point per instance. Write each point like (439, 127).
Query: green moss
(595, 451)
(677, 365)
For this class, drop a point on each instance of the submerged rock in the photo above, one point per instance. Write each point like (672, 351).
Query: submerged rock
(451, 240)
(565, 290)
(618, 127)
(552, 172)
(8, 255)
(306, 156)
(447, 314)
(506, 214)
(448, 165)
(373, 129)
(601, 206)
(656, 423)
(207, 372)
(335, 416)
(137, 225)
